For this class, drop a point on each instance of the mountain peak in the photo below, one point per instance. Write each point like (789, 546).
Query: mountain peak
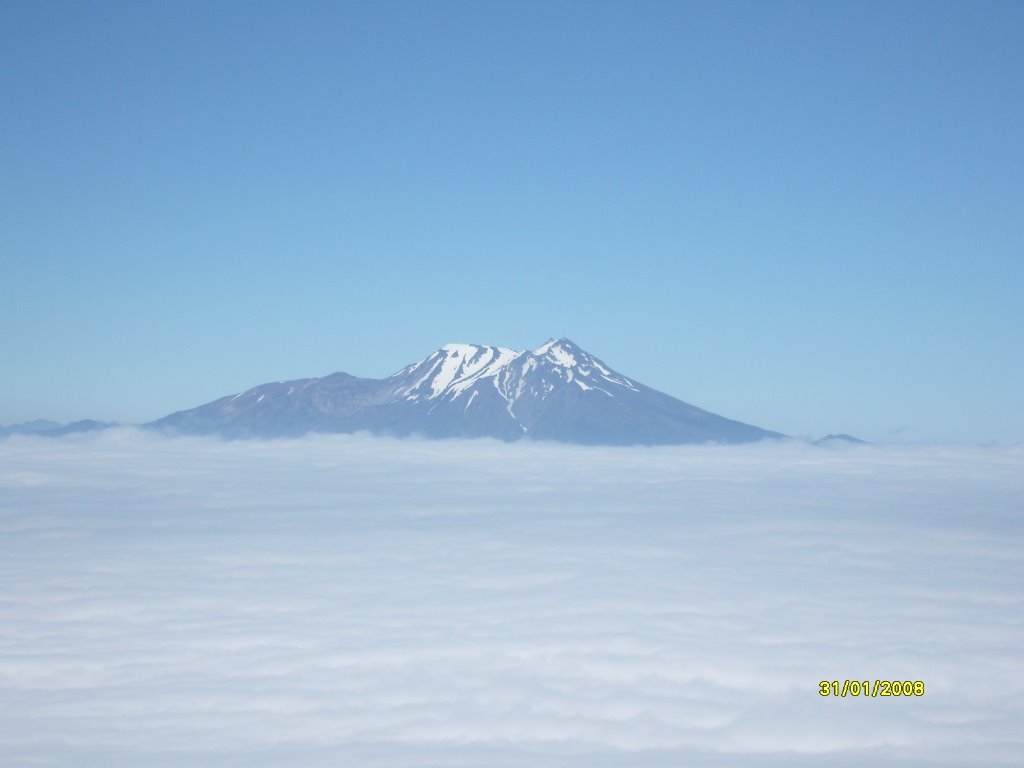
(551, 342)
(456, 348)
(461, 350)
(561, 352)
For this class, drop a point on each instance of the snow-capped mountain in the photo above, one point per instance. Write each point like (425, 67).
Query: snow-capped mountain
(556, 392)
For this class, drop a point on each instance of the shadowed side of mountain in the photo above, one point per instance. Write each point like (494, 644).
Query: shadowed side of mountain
(648, 418)
(335, 403)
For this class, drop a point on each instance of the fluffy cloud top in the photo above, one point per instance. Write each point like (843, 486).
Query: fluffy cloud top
(348, 600)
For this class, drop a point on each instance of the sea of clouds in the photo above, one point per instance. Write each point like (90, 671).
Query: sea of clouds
(358, 601)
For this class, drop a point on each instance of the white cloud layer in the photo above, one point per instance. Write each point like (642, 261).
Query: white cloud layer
(337, 601)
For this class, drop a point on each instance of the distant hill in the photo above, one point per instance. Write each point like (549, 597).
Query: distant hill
(29, 427)
(838, 439)
(85, 425)
(47, 428)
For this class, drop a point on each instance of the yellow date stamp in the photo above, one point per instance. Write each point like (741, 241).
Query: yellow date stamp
(867, 688)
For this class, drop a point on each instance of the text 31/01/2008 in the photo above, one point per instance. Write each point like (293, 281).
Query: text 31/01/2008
(865, 688)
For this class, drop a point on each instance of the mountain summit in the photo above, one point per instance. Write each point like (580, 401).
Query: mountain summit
(556, 392)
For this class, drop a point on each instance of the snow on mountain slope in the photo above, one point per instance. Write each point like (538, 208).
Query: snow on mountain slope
(452, 370)
(455, 369)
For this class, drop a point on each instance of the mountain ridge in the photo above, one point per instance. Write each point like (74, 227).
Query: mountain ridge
(555, 392)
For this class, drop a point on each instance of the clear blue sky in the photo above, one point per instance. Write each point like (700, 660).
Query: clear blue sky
(808, 216)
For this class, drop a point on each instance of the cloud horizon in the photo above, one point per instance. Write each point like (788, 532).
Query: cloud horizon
(406, 602)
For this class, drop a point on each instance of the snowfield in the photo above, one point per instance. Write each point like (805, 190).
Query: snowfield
(357, 601)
